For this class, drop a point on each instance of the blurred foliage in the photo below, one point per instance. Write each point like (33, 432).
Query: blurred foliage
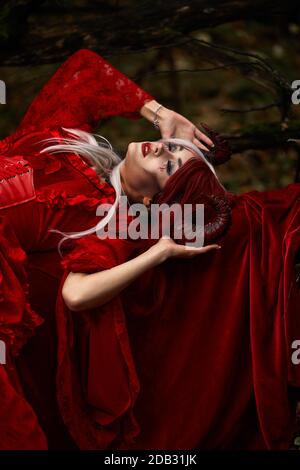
(199, 95)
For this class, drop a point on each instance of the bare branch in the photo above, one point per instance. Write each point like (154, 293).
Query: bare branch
(256, 69)
(111, 27)
(264, 136)
(250, 110)
(198, 70)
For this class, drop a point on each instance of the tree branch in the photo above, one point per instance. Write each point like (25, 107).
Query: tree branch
(250, 110)
(256, 69)
(264, 136)
(111, 27)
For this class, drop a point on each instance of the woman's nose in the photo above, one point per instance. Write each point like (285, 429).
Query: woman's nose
(158, 149)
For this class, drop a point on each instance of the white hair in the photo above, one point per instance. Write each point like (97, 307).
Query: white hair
(106, 163)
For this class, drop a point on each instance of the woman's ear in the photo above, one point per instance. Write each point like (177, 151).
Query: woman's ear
(147, 201)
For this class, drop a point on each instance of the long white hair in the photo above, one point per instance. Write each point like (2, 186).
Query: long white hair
(106, 163)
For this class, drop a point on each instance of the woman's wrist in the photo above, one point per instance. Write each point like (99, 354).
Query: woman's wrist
(153, 111)
(159, 252)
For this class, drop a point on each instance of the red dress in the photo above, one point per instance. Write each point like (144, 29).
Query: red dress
(195, 353)
(39, 192)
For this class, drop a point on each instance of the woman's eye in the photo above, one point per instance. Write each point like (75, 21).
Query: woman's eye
(174, 147)
(169, 167)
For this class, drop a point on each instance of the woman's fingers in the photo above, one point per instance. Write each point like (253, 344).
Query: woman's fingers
(202, 249)
(201, 136)
(183, 251)
(190, 251)
(210, 247)
(200, 145)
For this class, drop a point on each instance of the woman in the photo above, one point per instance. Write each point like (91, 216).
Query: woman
(155, 352)
(39, 192)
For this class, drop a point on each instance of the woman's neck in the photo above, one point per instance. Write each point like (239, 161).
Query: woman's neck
(132, 195)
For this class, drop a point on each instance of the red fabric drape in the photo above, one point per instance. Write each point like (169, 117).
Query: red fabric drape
(209, 339)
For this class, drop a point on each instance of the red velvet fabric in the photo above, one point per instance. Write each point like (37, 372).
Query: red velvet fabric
(199, 350)
(37, 193)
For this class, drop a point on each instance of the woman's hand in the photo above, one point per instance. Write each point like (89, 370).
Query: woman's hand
(172, 124)
(167, 248)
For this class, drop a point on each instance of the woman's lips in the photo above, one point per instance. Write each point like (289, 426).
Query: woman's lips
(145, 148)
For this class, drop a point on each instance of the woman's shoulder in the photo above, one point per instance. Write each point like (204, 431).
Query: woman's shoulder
(83, 254)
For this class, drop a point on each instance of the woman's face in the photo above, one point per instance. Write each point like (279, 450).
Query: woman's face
(148, 166)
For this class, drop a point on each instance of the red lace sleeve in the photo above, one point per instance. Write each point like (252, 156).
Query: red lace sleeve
(84, 89)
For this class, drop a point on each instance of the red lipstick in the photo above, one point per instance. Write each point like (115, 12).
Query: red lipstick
(146, 147)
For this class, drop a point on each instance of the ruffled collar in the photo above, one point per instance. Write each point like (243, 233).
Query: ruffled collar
(25, 144)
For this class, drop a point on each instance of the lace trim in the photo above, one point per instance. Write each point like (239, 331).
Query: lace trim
(90, 174)
(16, 182)
(9, 168)
(59, 200)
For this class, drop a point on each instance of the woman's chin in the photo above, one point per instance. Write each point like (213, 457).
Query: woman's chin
(134, 153)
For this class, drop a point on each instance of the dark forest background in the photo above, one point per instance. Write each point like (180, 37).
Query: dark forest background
(228, 63)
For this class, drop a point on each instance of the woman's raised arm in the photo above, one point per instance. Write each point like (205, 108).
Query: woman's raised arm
(84, 90)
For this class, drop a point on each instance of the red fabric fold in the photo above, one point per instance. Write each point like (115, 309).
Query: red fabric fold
(272, 309)
(97, 407)
(17, 319)
(19, 427)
